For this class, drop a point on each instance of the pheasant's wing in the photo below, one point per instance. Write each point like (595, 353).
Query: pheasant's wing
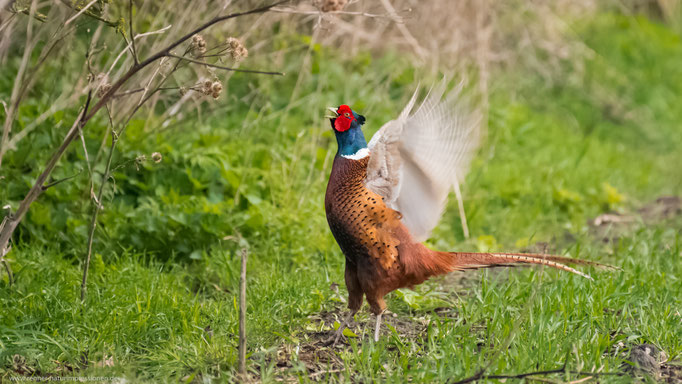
(418, 157)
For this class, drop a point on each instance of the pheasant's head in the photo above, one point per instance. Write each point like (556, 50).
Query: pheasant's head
(345, 119)
(346, 125)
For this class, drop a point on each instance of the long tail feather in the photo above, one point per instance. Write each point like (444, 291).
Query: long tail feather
(466, 260)
(560, 259)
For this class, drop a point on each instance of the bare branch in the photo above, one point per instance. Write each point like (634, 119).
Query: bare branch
(97, 206)
(418, 49)
(127, 47)
(10, 276)
(4, 251)
(393, 17)
(137, 90)
(90, 14)
(72, 18)
(132, 33)
(242, 317)
(222, 67)
(535, 373)
(38, 16)
(52, 184)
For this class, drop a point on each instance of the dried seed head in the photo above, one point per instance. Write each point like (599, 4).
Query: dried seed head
(156, 156)
(330, 5)
(216, 88)
(207, 87)
(103, 89)
(236, 49)
(139, 160)
(183, 91)
(198, 45)
(103, 85)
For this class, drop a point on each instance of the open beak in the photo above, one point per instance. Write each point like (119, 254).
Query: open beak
(334, 116)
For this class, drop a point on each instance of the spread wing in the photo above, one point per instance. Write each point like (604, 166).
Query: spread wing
(417, 158)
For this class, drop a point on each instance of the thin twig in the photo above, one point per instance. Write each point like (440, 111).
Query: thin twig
(393, 17)
(52, 184)
(127, 47)
(536, 373)
(319, 373)
(222, 67)
(132, 34)
(97, 200)
(10, 276)
(418, 49)
(97, 206)
(137, 90)
(92, 15)
(38, 16)
(3, 252)
(72, 18)
(242, 317)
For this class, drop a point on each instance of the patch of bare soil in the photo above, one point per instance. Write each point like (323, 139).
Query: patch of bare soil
(609, 227)
(647, 361)
(21, 367)
(671, 373)
(321, 360)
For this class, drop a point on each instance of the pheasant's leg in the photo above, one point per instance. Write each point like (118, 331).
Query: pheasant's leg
(377, 327)
(378, 307)
(354, 302)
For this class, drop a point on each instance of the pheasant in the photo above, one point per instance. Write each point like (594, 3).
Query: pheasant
(384, 198)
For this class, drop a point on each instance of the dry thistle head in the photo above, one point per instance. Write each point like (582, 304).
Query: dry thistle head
(139, 160)
(236, 49)
(103, 85)
(198, 45)
(330, 5)
(207, 87)
(216, 88)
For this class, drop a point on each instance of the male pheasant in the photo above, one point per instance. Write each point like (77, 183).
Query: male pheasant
(384, 198)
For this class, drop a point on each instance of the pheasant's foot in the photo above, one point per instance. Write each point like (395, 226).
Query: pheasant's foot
(337, 335)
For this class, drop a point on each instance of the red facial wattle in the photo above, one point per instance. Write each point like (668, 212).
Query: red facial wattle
(343, 122)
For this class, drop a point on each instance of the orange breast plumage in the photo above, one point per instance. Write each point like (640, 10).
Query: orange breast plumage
(358, 218)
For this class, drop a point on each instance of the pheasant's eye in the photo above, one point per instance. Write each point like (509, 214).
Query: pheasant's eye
(347, 114)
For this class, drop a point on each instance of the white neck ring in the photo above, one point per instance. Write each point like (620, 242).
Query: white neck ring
(360, 154)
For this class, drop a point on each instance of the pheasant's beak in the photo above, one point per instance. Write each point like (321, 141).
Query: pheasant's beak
(334, 116)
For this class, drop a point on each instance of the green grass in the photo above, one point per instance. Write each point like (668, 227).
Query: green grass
(557, 155)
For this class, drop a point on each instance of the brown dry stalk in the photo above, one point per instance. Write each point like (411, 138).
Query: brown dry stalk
(242, 318)
(477, 376)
